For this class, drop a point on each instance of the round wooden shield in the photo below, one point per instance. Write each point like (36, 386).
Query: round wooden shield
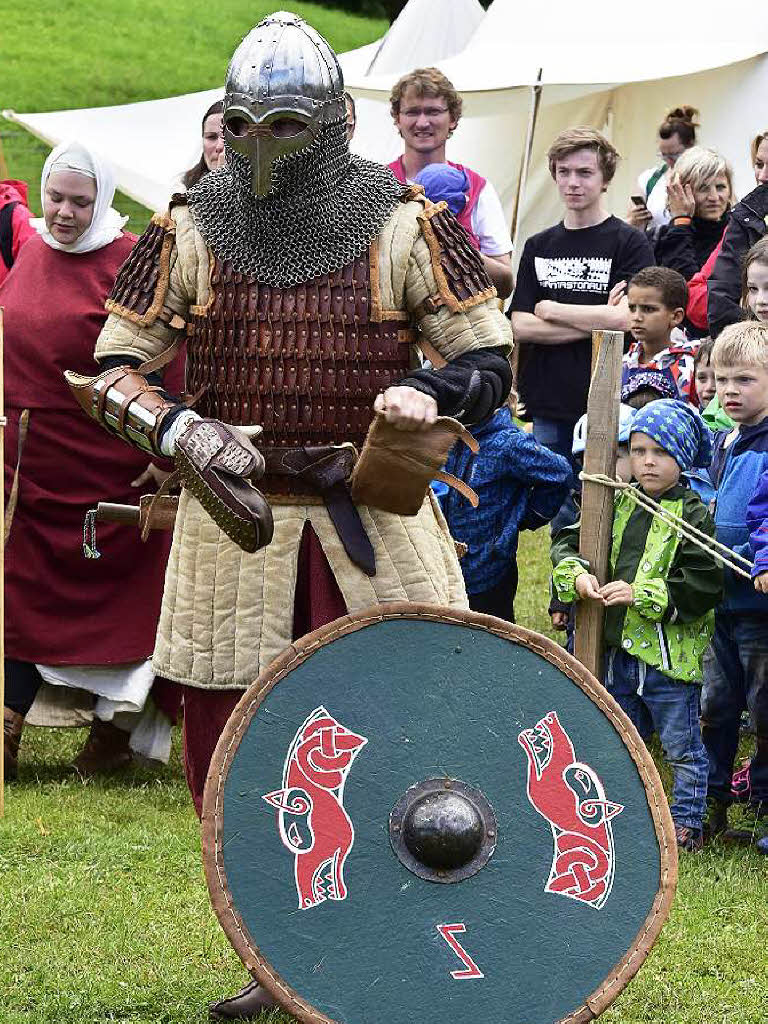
(417, 813)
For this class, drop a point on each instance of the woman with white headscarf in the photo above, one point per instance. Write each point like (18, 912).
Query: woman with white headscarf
(70, 621)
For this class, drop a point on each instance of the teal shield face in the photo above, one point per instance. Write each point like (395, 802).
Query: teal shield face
(419, 812)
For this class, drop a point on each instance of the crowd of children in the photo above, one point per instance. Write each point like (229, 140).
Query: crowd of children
(686, 633)
(675, 618)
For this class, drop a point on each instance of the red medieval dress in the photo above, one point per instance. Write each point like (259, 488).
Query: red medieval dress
(61, 608)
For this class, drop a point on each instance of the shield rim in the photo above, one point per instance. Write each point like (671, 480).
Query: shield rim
(302, 649)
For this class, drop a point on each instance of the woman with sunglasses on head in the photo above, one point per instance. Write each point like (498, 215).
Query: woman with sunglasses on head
(699, 200)
(677, 133)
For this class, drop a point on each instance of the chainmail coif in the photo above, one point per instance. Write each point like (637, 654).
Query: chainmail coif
(324, 209)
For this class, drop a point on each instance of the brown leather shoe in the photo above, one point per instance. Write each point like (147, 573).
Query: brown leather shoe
(106, 750)
(246, 1005)
(689, 839)
(13, 723)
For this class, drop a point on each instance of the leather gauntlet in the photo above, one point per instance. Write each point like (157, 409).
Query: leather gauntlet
(396, 467)
(216, 464)
(122, 400)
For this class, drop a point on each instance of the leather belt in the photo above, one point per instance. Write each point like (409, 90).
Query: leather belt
(324, 470)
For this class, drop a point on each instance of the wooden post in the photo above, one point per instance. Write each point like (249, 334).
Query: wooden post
(525, 159)
(597, 500)
(2, 574)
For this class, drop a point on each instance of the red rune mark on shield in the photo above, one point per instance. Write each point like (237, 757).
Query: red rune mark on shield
(472, 970)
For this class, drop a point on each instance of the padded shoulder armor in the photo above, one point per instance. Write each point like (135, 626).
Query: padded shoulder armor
(413, 193)
(461, 278)
(142, 283)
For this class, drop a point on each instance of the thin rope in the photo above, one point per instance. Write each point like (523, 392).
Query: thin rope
(703, 540)
(643, 499)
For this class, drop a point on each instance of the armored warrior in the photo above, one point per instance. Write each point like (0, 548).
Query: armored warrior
(303, 279)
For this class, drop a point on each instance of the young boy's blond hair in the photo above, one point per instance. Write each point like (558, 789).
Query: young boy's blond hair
(742, 344)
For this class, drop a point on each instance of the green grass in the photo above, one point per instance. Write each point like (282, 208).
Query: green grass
(105, 916)
(65, 54)
(104, 913)
(103, 896)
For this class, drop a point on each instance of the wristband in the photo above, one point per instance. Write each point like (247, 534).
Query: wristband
(174, 430)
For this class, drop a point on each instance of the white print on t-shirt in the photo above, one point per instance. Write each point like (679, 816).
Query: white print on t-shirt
(574, 273)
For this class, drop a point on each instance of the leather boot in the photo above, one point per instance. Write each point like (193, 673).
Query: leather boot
(246, 1005)
(13, 723)
(106, 750)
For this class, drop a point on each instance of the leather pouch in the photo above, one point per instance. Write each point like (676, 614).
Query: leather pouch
(396, 467)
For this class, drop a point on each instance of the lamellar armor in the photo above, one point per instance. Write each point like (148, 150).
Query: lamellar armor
(305, 362)
(289, 330)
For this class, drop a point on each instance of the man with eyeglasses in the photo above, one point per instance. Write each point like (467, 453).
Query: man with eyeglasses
(426, 109)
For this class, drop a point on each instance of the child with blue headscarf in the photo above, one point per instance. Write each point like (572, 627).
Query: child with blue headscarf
(450, 185)
(659, 599)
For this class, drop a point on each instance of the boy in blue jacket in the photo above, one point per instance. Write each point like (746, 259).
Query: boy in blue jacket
(757, 521)
(736, 673)
(521, 486)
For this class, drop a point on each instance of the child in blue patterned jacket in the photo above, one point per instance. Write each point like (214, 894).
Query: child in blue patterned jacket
(521, 486)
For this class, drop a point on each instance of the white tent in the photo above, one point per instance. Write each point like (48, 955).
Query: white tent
(598, 65)
(152, 143)
(417, 37)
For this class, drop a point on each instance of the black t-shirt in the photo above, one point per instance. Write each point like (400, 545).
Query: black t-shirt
(578, 266)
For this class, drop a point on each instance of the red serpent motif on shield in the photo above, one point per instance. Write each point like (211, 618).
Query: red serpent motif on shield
(572, 798)
(311, 817)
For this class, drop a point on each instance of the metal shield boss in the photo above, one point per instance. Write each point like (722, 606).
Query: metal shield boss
(422, 813)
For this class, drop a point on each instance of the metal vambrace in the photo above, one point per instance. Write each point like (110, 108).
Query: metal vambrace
(123, 401)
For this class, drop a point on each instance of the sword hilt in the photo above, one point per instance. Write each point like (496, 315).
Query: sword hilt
(109, 512)
(156, 513)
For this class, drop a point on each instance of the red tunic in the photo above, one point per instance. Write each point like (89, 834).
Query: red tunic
(62, 608)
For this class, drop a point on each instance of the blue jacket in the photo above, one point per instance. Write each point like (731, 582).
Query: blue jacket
(737, 472)
(757, 524)
(700, 481)
(521, 486)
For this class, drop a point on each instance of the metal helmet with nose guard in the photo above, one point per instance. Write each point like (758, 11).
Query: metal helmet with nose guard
(283, 85)
(292, 202)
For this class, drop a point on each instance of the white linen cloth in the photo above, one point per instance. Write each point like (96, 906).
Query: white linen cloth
(106, 224)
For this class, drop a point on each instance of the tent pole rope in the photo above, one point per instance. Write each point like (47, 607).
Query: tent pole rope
(724, 554)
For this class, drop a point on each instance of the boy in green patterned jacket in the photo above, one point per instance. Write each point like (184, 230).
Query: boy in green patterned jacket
(659, 601)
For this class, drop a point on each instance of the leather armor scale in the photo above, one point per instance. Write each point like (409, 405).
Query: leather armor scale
(305, 362)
